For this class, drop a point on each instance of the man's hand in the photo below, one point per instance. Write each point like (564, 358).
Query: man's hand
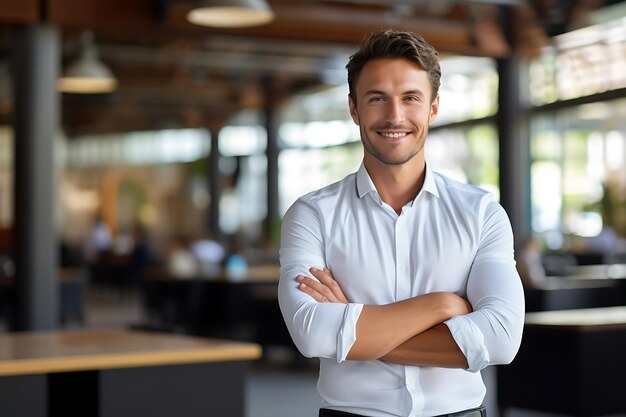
(461, 306)
(327, 290)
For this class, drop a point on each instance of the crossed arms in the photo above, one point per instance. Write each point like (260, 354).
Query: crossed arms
(407, 332)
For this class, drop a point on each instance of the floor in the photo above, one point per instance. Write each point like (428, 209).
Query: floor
(281, 393)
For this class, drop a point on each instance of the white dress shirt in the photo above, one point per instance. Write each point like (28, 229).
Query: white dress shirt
(452, 237)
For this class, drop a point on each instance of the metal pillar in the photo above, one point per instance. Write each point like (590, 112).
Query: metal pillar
(35, 70)
(215, 190)
(272, 124)
(513, 132)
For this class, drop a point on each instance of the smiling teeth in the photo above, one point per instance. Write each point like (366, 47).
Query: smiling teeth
(393, 135)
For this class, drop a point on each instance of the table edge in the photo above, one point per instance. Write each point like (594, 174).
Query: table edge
(249, 351)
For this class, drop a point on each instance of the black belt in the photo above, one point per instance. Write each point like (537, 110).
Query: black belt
(473, 412)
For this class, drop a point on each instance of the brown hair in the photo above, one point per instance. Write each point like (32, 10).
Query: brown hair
(394, 44)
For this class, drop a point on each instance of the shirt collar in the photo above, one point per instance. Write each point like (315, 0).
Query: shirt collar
(430, 185)
(365, 185)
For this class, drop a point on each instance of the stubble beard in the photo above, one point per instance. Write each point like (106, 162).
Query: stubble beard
(388, 160)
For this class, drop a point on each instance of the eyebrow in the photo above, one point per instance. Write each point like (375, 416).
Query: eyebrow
(380, 92)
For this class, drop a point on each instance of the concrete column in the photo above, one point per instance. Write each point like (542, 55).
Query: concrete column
(35, 70)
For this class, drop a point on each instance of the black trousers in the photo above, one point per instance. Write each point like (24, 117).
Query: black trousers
(474, 412)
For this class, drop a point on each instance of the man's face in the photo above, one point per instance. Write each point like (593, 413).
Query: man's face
(393, 109)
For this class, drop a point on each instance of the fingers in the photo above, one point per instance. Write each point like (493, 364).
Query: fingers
(309, 290)
(326, 278)
(326, 289)
(315, 289)
(323, 275)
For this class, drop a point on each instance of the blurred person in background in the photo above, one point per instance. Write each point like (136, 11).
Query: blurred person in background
(181, 263)
(99, 240)
(210, 254)
(530, 265)
(141, 255)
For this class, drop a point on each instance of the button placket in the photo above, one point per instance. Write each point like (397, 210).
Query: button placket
(403, 284)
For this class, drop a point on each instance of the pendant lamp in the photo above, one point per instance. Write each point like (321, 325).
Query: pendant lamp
(231, 13)
(87, 74)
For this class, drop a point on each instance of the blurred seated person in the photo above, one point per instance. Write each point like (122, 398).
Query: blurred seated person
(604, 246)
(529, 265)
(181, 262)
(210, 255)
(141, 253)
(99, 241)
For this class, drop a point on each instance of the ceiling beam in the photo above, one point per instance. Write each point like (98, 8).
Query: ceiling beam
(296, 20)
(229, 62)
(22, 11)
(80, 119)
(91, 14)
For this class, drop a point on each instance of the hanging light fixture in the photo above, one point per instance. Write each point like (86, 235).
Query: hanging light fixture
(87, 75)
(231, 13)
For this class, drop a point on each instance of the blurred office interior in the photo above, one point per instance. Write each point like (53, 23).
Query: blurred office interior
(156, 205)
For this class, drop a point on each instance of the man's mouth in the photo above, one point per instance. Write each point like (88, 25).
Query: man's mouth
(393, 135)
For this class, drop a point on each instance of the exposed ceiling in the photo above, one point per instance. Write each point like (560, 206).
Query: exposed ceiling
(174, 74)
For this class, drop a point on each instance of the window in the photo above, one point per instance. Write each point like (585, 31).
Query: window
(578, 173)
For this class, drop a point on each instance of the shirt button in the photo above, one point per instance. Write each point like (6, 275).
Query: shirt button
(402, 268)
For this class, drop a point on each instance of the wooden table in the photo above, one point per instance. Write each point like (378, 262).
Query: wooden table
(106, 373)
(571, 362)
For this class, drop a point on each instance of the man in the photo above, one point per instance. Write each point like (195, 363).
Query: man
(399, 279)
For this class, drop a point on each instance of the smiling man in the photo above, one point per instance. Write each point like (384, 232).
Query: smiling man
(399, 279)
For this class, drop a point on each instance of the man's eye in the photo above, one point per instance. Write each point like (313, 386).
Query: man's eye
(375, 99)
(412, 98)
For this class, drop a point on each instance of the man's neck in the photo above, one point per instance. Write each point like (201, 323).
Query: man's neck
(397, 184)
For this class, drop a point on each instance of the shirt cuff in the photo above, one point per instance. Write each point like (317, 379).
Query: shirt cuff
(347, 333)
(470, 340)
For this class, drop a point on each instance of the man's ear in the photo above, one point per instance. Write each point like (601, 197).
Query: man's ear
(353, 112)
(434, 109)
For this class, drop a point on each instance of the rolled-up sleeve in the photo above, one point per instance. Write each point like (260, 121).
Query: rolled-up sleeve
(492, 333)
(325, 330)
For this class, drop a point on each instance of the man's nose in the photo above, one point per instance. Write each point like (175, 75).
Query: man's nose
(395, 113)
